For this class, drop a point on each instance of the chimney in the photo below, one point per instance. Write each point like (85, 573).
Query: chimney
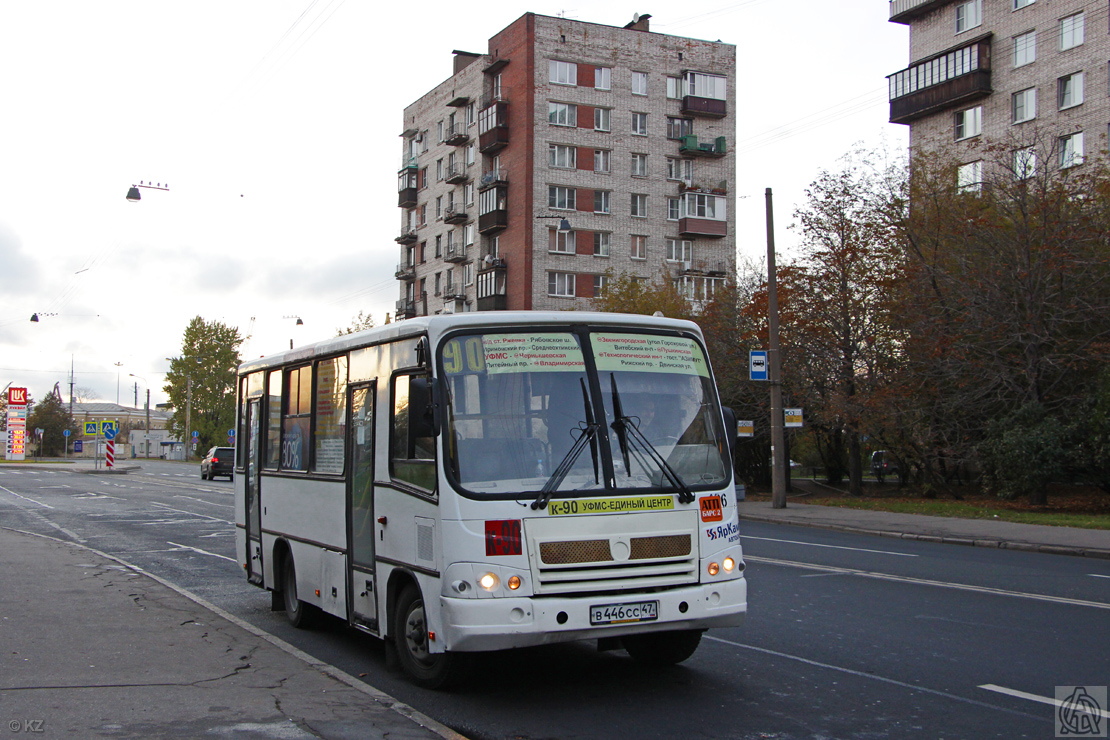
(639, 22)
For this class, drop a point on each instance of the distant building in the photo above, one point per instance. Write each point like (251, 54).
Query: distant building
(623, 133)
(1027, 74)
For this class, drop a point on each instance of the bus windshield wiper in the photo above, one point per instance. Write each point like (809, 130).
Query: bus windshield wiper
(627, 431)
(588, 434)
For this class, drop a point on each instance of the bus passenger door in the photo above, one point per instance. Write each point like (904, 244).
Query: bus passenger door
(254, 510)
(360, 507)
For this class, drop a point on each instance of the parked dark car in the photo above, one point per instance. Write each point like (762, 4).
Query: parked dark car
(883, 464)
(218, 461)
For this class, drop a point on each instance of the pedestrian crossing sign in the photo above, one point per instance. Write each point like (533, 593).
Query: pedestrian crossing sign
(91, 429)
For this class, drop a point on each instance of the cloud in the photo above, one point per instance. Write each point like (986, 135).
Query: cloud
(20, 274)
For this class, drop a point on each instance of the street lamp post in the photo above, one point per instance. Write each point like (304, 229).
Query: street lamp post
(145, 381)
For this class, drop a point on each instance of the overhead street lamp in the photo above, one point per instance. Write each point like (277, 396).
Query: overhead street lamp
(300, 322)
(133, 195)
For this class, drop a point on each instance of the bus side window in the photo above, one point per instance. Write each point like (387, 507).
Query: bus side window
(412, 446)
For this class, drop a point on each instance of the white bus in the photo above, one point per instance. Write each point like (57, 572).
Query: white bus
(492, 480)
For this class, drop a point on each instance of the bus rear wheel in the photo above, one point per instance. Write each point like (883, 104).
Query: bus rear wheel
(662, 648)
(297, 612)
(410, 638)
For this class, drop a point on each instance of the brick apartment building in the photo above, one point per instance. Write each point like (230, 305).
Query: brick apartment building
(619, 133)
(1030, 75)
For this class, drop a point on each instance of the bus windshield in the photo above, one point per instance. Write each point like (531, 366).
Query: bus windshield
(580, 412)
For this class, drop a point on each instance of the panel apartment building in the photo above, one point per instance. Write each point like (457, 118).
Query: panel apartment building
(569, 152)
(1030, 75)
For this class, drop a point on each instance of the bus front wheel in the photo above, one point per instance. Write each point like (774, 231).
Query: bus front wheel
(662, 648)
(297, 612)
(410, 638)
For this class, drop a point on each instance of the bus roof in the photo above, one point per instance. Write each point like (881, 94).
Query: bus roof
(439, 324)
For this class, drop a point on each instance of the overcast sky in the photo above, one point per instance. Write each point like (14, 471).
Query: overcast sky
(275, 124)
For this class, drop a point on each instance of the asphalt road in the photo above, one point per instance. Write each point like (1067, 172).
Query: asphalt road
(847, 635)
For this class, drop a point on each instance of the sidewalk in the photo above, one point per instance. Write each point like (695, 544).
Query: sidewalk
(978, 532)
(90, 647)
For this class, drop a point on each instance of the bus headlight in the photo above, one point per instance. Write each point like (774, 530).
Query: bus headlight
(729, 564)
(489, 581)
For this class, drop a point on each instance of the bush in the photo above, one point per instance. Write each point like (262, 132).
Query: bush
(1023, 452)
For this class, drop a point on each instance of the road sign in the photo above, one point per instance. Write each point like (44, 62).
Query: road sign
(745, 428)
(793, 417)
(108, 426)
(91, 429)
(196, 434)
(109, 433)
(78, 445)
(231, 432)
(757, 364)
(65, 432)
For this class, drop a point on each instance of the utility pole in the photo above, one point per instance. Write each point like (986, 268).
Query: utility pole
(774, 371)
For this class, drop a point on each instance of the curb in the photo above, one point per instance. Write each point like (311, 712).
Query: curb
(375, 694)
(998, 544)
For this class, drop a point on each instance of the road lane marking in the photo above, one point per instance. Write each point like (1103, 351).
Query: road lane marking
(167, 507)
(1034, 697)
(209, 503)
(834, 547)
(928, 582)
(872, 676)
(1097, 575)
(8, 490)
(202, 552)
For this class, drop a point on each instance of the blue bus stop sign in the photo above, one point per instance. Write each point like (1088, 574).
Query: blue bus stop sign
(757, 364)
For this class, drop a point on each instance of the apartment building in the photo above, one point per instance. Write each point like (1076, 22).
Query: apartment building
(1027, 75)
(568, 153)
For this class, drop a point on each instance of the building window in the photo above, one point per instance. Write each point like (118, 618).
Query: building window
(1024, 105)
(969, 15)
(601, 284)
(439, 245)
(559, 155)
(439, 170)
(560, 197)
(439, 131)
(1069, 90)
(698, 288)
(468, 235)
(679, 250)
(601, 160)
(1025, 163)
(561, 242)
(639, 83)
(601, 243)
(639, 165)
(1025, 49)
(1019, 4)
(560, 284)
(601, 201)
(639, 247)
(439, 207)
(471, 114)
(562, 73)
(1071, 150)
(969, 122)
(603, 77)
(680, 169)
(601, 119)
(468, 193)
(701, 85)
(704, 205)
(1071, 31)
(639, 205)
(674, 208)
(562, 114)
(969, 177)
(679, 127)
(674, 88)
(468, 273)
(639, 124)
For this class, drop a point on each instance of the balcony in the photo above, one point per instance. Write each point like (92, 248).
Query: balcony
(492, 179)
(690, 146)
(456, 173)
(457, 135)
(493, 127)
(904, 11)
(408, 179)
(692, 105)
(491, 284)
(453, 291)
(408, 236)
(405, 272)
(946, 80)
(492, 222)
(702, 227)
(711, 268)
(455, 253)
(405, 309)
(455, 215)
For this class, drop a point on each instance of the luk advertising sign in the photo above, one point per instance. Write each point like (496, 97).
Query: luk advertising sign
(17, 424)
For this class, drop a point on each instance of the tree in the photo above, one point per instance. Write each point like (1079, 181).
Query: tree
(358, 323)
(628, 294)
(52, 416)
(201, 382)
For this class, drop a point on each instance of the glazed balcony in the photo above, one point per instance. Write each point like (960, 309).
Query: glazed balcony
(706, 227)
(493, 127)
(943, 81)
(492, 222)
(408, 180)
(692, 105)
(690, 146)
(492, 284)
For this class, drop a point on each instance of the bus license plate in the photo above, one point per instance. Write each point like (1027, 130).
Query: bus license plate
(639, 611)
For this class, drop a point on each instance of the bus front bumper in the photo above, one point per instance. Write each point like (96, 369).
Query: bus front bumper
(470, 625)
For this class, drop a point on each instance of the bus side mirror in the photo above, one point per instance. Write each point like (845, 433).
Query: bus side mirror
(423, 410)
